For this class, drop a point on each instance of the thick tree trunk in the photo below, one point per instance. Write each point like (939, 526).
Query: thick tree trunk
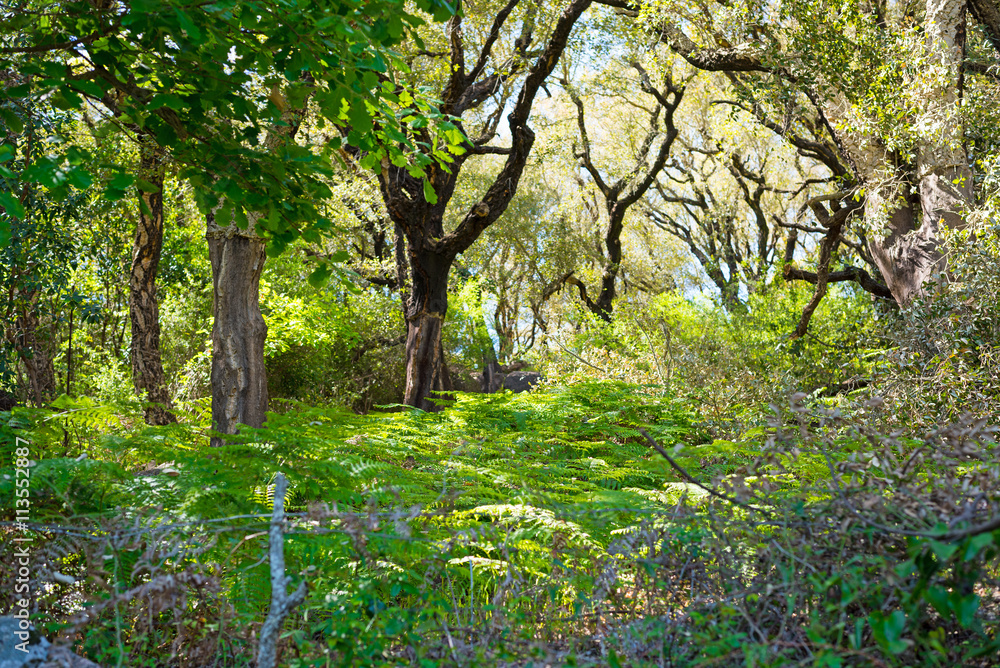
(426, 369)
(239, 381)
(946, 184)
(909, 255)
(144, 312)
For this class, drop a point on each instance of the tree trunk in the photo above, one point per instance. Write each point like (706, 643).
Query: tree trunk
(909, 255)
(426, 369)
(36, 359)
(613, 262)
(239, 381)
(946, 184)
(144, 312)
(430, 251)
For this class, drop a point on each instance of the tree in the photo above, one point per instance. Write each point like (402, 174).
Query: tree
(37, 251)
(237, 253)
(628, 188)
(417, 207)
(725, 195)
(147, 367)
(157, 64)
(886, 85)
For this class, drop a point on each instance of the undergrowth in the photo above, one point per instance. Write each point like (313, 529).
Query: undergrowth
(532, 529)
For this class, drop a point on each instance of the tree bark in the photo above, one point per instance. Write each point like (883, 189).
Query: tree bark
(239, 381)
(909, 255)
(239, 378)
(987, 13)
(144, 312)
(426, 307)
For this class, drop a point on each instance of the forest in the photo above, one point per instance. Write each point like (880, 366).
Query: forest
(506, 333)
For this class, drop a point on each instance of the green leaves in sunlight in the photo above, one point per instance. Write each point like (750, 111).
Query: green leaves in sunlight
(201, 82)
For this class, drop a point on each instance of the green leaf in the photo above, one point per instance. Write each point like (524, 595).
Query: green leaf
(937, 596)
(943, 551)
(320, 276)
(146, 186)
(965, 608)
(429, 193)
(4, 232)
(975, 544)
(361, 120)
(118, 186)
(165, 100)
(121, 180)
(12, 205)
(188, 26)
(12, 120)
(888, 631)
(79, 178)
(91, 88)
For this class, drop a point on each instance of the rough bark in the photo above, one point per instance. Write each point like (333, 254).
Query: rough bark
(987, 13)
(946, 183)
(239, 381)
(147, 367)
(426, 369)
(855, 274)
(239, 378)
(909, 254)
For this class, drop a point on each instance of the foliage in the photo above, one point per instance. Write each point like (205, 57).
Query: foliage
(946, 363)
(854, 524)
(731, 365)
(155, 69)
(419, 541)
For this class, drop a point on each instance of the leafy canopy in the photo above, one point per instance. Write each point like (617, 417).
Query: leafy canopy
(208, 81)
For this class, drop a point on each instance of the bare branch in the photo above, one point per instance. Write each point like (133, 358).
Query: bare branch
(282, 603)
(856, 274)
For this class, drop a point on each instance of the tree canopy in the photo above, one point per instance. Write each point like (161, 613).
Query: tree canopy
(500, 333)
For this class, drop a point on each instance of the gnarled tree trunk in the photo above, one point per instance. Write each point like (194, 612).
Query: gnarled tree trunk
(430, 251)
(426, 307)
(144, 312)
(909, 254)
(239, 382)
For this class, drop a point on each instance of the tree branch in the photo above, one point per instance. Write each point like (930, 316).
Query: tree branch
(522, 137)
(282, 603)
(987, 13)
(856, 274)
(484, 54)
